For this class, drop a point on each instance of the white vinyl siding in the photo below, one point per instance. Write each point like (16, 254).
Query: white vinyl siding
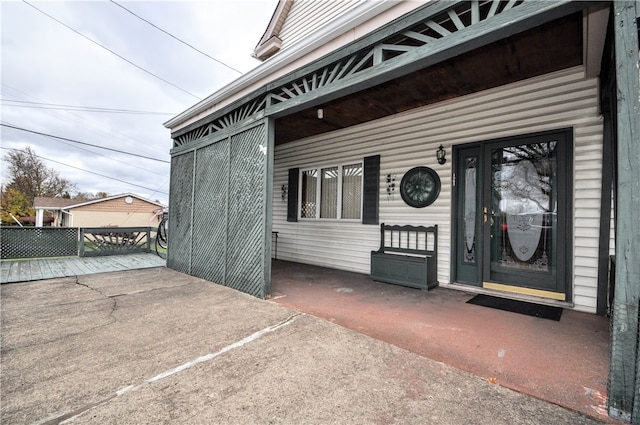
(559, 100)
(306, 16)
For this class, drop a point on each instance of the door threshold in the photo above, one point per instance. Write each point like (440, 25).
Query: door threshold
(459, 286)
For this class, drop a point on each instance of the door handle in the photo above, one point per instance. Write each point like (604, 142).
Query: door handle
(484, 214)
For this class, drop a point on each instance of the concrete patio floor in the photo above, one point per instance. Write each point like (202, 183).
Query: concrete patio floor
(158, 346)
(564, 362)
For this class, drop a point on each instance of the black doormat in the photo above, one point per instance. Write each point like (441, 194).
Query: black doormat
(521, 307)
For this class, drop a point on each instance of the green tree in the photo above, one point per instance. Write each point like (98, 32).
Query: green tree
(30, 177)
(14, 203)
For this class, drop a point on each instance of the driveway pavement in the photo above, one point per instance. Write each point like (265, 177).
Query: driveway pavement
(157, 346)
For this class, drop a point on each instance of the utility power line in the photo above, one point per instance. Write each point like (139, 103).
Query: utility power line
(109, 158)
(111, 51)
(40, 105)
(91, 172)
(63, 116)
(176, 38)
(83, 143)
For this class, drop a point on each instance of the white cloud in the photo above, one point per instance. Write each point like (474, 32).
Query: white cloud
(42, 61)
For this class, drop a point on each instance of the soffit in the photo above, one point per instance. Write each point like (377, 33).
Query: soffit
(550, 47)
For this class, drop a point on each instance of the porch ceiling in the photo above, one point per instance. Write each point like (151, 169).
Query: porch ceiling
(551, 47)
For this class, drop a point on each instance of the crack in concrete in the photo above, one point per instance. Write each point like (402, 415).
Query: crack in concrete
(111, 316)
(111, 319)
(114, 306)
(62, 418)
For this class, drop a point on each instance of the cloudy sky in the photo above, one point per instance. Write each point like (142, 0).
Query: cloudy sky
(53, 77)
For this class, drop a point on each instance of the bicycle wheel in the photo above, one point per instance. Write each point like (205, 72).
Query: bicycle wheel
(162, 238)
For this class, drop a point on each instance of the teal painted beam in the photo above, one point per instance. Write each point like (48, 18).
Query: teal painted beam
(518, 19)
(624, 385)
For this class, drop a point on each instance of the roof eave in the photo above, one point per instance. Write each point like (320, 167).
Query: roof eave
(354, 17)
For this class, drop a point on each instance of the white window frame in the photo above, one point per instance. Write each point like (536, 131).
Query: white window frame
(318, 170)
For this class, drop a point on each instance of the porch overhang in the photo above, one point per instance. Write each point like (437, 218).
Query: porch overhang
(439, 51)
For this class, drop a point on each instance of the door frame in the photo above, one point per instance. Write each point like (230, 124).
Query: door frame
(567, 215)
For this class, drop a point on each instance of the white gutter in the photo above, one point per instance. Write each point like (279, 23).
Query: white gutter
(351, 19)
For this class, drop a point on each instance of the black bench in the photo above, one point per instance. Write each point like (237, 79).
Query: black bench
(405, 257)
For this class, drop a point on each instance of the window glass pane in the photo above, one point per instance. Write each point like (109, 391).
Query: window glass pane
(329, 193)
(308, 199)
(351, 191)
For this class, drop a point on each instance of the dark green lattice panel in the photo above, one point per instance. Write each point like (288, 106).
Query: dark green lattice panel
(38, 242)
(210, 211)
(246, 222)
(181, 187)
(623, 364)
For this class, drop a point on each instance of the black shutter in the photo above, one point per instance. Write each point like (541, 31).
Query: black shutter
(292, 195)
(371, 192)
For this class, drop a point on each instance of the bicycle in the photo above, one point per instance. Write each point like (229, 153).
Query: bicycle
(162, 237)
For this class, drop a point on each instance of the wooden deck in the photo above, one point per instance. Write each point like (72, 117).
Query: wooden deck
(50, 268)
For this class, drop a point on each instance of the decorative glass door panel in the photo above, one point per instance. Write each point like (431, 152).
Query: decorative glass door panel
(468, 223)
(523, 213)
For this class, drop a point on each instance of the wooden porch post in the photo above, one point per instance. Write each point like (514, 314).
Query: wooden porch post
(624, 400)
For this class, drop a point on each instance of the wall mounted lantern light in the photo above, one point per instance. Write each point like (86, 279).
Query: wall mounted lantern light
(441, 155)
(320, 113)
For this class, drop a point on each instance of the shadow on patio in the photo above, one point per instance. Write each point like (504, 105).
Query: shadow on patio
(564, 362)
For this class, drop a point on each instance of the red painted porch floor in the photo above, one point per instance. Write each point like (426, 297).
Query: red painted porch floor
(564, 362)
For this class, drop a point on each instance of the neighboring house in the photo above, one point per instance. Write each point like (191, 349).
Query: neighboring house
(533, 104)
(125, 210)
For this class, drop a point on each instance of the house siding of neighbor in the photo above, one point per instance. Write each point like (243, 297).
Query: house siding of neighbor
(116, 213)
(125, 210)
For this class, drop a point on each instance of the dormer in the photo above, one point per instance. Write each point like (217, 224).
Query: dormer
(270, 43)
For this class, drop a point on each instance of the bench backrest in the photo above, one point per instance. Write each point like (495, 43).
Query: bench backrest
(418, 240)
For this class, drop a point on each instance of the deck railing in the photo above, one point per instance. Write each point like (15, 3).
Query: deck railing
(43, 242)
(114, 241)
(38, 242)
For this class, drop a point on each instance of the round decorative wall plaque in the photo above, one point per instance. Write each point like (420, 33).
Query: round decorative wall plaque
(420, 187)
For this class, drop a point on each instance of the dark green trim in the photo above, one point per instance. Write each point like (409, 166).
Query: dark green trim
(394, 27)
(503, 25)
(608, 108)
(268, 205)
(219, 113)
(371, 190)
(624, 382)
(602, 305)
(521, 18)
(292, 195)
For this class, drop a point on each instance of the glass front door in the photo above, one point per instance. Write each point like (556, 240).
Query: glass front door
(512, 212)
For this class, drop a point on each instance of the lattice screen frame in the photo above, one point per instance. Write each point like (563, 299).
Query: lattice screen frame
(225, 185)
(38, 242)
